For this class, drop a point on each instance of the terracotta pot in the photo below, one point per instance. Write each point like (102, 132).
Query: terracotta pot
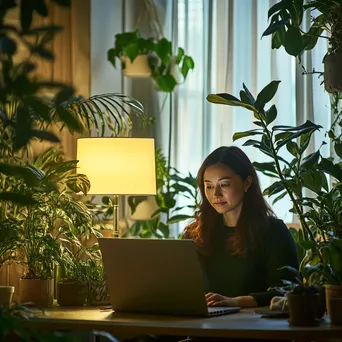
(138, 68)
(6, 294)
(71, 294)
(38, 291)
(303, 309)
(333, 73)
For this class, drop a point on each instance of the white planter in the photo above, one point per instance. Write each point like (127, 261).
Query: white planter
(6, 294)
(138, 68)
(333, 73)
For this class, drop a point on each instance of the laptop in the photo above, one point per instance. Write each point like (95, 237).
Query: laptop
(156, 277)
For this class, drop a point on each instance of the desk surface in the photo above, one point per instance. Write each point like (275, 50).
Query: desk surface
(245, 324)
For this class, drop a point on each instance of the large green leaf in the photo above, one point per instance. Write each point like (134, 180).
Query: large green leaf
(240, 135)
(293, 42)
(266, 94)
(229, 100)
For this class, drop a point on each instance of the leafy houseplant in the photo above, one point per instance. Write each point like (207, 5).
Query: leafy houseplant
(72, 288)
(286, 18)
(161, 60)
(317, 238)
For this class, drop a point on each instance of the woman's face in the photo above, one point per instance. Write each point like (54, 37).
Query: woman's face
(224, 189)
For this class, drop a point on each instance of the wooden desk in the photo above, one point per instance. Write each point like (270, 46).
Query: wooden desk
(245, 324)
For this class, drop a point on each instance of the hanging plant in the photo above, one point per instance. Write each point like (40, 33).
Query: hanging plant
(286, 19)
(166, 70)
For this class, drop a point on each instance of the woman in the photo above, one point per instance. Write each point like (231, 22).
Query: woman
(241, 243)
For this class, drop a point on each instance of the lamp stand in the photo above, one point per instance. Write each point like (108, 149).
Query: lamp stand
(116, 216)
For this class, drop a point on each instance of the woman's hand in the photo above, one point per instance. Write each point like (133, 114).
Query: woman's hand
(215, 299)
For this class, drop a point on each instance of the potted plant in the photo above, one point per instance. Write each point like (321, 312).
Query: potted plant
(163, 66)
(285, 26)
(96, 283)
(320, 216)
(53, 218)
(305, 300)
(71, 288)
(132, 50)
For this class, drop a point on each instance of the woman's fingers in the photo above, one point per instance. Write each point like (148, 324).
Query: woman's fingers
(213, 298)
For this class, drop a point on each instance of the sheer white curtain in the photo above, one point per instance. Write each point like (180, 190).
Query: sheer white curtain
(224, 38)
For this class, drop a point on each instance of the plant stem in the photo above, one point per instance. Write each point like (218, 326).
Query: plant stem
(281, 176)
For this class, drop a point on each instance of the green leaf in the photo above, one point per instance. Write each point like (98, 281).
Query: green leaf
(293, 148)
(278, 38)
(166, 83)
(266, 94)
(293, 42)
(229, 100)
(274, 189)
(64, 95)
(249, 95)
(178, 218)
(39, 107)
(26, 9)
(307, 124)
(131, 51)
(188, 64)
(45, 135)
(309, 161)
(278, 198)
(310, 39)
(111, 56)
(164, 51)
(180, 55)
(271, 114)
(31, 176)
(240, 135)
(270, 166)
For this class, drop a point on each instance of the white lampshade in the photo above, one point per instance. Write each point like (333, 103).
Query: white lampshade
(118, 166)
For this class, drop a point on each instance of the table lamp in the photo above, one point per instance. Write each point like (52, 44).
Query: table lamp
(118, 166)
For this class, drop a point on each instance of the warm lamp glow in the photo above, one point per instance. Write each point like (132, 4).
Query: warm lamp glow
(118, 166)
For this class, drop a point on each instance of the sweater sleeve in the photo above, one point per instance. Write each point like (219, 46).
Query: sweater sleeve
(280, 250)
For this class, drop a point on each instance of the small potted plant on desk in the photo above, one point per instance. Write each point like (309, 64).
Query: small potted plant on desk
(72, 288)
(331, 269)
(302, 299)
(96, 283)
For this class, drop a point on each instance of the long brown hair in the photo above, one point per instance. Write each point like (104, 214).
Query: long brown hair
(254, 213)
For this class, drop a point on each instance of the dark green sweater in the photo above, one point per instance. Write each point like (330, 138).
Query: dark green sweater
(234, 275)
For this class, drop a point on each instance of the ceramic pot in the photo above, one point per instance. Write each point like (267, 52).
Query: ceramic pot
(138, 68)
(71, 294)
(303, 309)
(38, 291)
